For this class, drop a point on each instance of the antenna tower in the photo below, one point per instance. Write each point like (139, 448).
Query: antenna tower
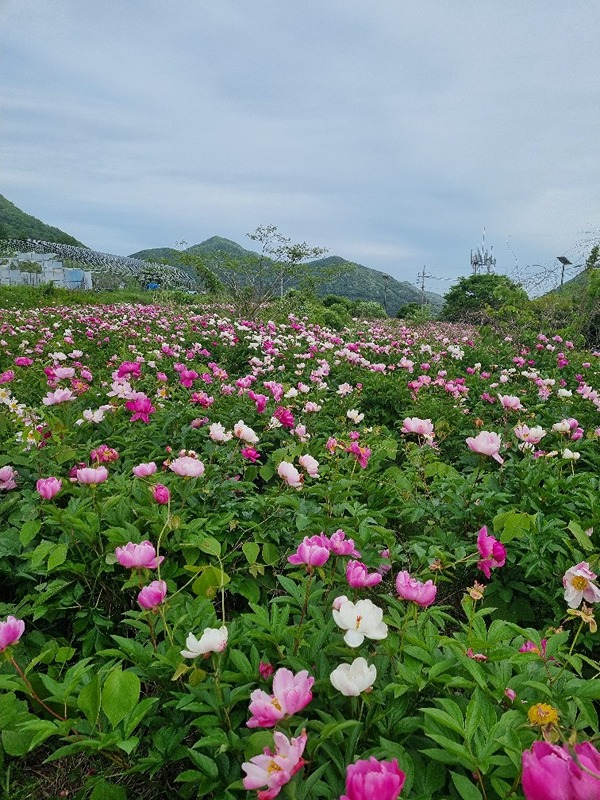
(483, 259)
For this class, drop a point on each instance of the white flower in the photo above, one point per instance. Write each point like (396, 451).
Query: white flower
(564, 393)
(359, 620)
(213, 640)
(243, 432)
(570, 455)
(218, 433)
(561, 427)
(354, 415)
(352, 679)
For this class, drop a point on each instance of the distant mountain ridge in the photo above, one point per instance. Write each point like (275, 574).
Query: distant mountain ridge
(16, 224)
(359, 283)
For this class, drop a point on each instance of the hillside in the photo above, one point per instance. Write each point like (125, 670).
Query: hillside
(356, 282)
(16, 224)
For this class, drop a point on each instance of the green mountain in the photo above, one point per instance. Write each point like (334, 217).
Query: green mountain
(355, 281)
(16, 224)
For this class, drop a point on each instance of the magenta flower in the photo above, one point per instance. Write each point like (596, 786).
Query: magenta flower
(7, 478)
(486, 443)
(141, 406)
(10, 632)
(285, 416)
(492, 552)
(266, 670)
(23, 361)
(47, 488)
(358, 576)
(161, 494)
(313, 552)
(342, 546)
(144, 470)
(291, 693)
(187, 467)
(578, 585)
(423, 594)
(92, 476)
(152, 595)
(532, 647)
(104, 454)
(274, 769)
(362, 454)
(138, 556)
(550, 772)
(373, 780)
(250, 454)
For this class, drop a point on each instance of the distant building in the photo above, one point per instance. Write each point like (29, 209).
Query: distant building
(35, 269)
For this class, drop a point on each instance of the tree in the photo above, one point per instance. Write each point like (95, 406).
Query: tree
(472, 299)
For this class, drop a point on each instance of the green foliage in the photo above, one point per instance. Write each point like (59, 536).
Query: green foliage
(16, 224)
(473, 299)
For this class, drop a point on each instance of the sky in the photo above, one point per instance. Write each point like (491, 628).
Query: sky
(391, 132)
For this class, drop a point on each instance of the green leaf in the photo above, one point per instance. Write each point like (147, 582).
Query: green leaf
(465, 787)
(104, 790)
(89, 700)
(211, 579)
(57, 556)
(583, 539)
(251, 551)
(29, 531)
(120, 695)
(270, 553)
(512, 524)
(204, 763)
(211, 546)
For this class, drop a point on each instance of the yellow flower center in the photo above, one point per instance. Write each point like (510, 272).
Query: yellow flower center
(273, 767)
(358, 621)
(275, 702)
(542, 714)
(580, 583)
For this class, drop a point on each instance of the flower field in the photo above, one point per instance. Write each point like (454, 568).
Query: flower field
(245, 559)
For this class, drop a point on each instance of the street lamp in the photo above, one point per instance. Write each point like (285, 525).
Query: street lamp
(565, 263)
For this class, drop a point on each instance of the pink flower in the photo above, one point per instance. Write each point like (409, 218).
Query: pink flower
(358, 576)
(313, 552)
(47, 488)
(362, 454)
(104, 454)
(510, 402)
(578, 585)
(161, 494)
(138, 556)
(141, 406)
(486, 443)
(10, 632)
(8, 376)
(475, 656)
(291, 693)
(492, 552)
(187, 467)
(285, 416)
(550, 772)
(23, 361)
(243, 432)
(144, 470)
(511, 694)
(266, 670)
(57, 397)
(288, 473)
(422, 427)
(152, 595)
(310, 464)
(342, 546)
(423, 594)
(92, 476)
(532, 647)
(218, 433)
(274, 769)
(7, 478)
(373, 780)
(250, 454)
(332, 443)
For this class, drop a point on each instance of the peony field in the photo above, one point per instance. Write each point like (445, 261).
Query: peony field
(258, 559)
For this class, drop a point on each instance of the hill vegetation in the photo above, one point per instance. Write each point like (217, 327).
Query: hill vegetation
(16, 224)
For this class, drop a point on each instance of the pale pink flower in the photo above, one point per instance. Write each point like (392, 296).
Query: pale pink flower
(57, 397)
(419, 592)
(510, 402)
(152, 595)
(7, 478)
(144, 470)
(422, 427)
(245, 433)
(92, 475)
(274, 769)
(578, 585)
(310, 464)
(288, 473)
(291, 693)
(187, 467)
(10, 632)
(138, 556)
(47, 488)
(486, 443)
(218, 433)
(492, 552)
(358, 576)
(342, 546)
(531, 435)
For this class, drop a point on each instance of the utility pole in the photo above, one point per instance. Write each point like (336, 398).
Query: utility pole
(422, 276)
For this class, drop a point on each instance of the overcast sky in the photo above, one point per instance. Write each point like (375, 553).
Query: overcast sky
(389, 131)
